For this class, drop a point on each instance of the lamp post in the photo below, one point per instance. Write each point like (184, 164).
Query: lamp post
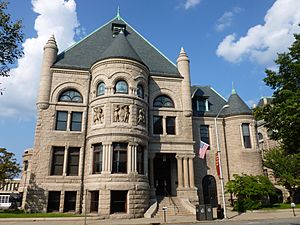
(219, 161)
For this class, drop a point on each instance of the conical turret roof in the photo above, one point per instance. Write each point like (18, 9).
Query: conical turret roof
(236, 106)
(120, 48)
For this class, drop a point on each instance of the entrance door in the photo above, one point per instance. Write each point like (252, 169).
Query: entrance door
(162, 174)
(209, 187)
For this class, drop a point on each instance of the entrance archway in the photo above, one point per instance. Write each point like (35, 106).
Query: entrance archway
(163, 166)
(209, 188)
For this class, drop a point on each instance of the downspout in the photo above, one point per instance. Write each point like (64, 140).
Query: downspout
(84, 146)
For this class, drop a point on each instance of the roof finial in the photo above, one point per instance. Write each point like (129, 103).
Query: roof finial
(118, 13)
(233, 90)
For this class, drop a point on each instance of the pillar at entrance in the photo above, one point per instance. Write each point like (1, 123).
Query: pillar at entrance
(191, 172)
(179, 171)
(185, 172)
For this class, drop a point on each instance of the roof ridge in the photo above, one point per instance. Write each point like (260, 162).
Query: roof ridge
(83, 39)
(149, 43)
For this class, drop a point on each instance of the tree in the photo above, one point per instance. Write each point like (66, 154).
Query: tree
(11, 37)
(249, 190)
(286, 168)
(282, 116)
(9, 168)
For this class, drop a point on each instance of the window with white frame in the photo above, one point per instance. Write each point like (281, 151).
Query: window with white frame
(246, 135)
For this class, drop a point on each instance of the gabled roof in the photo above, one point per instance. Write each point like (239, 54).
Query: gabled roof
(236, 106)
(215, 100)
(86, 52)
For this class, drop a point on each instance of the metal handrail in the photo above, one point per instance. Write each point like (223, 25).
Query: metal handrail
(175, 207)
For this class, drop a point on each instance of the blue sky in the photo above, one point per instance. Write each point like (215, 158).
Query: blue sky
(227, 41)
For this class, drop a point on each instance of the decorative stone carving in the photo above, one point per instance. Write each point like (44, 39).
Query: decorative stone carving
(121, 113)
(141, 118)
(98, 115)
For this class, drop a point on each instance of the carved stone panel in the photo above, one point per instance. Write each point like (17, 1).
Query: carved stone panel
(141, 117)
(121, 113)
(98, 117)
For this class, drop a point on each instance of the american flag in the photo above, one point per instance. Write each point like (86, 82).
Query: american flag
(202, 150)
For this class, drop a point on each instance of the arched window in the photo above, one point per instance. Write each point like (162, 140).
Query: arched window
(101, 89)
(140, 91)
(163, 101)
(121, 87)
(70, 96)
(260, 137)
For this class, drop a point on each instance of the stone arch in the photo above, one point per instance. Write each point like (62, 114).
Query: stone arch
(59, 89)
(164, 91)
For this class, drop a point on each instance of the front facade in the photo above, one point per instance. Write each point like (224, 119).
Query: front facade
(119, 125)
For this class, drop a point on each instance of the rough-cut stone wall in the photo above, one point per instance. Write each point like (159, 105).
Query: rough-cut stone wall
(234, 157)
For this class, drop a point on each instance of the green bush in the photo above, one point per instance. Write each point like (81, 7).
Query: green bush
(249, 191)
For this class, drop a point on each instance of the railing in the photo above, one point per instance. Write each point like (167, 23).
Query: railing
(175, 207)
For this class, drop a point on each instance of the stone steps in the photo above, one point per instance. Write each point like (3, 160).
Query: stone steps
(174, 207)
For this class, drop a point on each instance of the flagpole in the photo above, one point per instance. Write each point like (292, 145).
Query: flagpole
(220, 163)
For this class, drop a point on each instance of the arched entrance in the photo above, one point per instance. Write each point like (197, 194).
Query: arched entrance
(209, 188)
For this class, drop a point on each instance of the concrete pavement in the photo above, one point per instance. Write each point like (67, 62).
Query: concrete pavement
(232, 216)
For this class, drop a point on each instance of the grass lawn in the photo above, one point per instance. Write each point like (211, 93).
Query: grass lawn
(280, 206)
(18, 214)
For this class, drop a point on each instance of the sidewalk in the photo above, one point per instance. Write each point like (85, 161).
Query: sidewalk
(232, 216)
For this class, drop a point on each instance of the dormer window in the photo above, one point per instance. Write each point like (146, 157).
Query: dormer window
(118, 28)
(202, 105)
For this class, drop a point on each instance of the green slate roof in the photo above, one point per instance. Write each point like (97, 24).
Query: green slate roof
(101, 44)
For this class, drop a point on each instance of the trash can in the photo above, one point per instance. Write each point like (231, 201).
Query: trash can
(200, 212)
(220, 212)
(209, 212)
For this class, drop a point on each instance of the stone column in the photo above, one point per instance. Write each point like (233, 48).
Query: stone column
(179, 171)
(81, 163)
(191, 172)
(69, 121)
(65, 161)
(108, 157)
(146, 161)
(104, 158)
(129, 158)
(185, 172)
(134, 158)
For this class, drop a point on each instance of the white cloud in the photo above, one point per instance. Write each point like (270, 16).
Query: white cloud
(263, 42)
(191, 3)
(226, 19)
(56, 17)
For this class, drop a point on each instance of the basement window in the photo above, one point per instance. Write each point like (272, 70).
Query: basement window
(118, 202)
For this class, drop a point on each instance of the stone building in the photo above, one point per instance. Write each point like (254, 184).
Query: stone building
(119, 125)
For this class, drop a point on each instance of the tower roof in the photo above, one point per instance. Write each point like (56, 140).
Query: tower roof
(100, 44)
(236, 106)
(120, 48)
